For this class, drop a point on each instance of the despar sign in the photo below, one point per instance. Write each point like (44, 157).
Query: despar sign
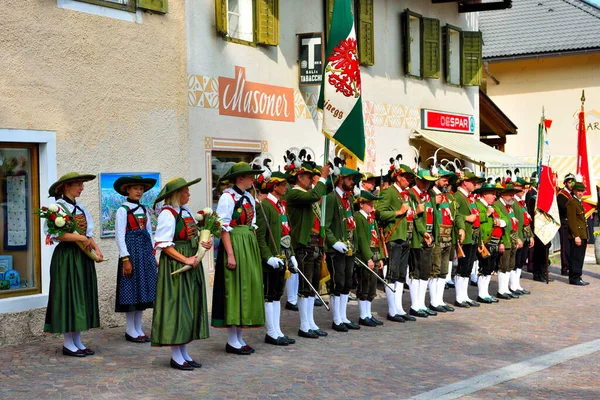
(445, 121)
(310, 58)
(240, 98)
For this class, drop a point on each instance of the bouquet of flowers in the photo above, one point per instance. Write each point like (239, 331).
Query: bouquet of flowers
(60, 222)
(209, 224)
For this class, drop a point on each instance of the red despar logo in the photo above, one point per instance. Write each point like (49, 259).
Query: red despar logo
(448, 122)
(240, 98)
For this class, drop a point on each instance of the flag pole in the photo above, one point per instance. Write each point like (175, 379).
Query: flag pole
(540, 143)
(324, 198)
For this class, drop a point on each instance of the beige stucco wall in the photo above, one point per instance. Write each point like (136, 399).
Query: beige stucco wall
(115, 94)
(556, 84)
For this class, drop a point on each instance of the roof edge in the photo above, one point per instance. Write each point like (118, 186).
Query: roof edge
(549, 54)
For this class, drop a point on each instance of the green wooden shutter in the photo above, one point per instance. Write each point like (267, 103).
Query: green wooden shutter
(328, 15)
(267, 22)
(406, 41)
(366, 33)
(430, 45)
(221, 16)
(159, 6)
(471, 58)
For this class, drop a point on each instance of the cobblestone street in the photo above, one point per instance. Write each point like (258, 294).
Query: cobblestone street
(393, 361)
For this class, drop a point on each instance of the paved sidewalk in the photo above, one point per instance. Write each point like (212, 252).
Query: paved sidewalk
(393, 361)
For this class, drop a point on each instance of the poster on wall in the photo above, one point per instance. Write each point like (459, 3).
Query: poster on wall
(16, 215)
(110, 200)
(311, 54)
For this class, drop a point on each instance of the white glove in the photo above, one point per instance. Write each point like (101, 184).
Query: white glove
(275, 262)
(294, 262)
(340, 247)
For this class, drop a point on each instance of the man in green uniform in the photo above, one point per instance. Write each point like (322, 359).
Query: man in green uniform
(304, 213)
(525, 234)
(510, 240)
(339, 236)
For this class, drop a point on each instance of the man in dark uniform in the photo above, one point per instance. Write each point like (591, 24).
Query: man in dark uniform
(578, 235)
(539, 254)
(564, 195)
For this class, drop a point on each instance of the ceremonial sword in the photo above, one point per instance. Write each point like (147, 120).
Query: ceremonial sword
(360, 262)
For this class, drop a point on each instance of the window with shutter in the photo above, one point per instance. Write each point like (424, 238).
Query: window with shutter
(267, 21)
(431, 48)
(240, 21)
(471, 58)
(452, 51)
(366, 32)
(221, 16)
(411, 31)
(125, 5)
(159, 6)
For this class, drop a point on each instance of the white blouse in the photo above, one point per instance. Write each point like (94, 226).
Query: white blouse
(70, 208)
(121, 226)
(165, 230)
(226, 204)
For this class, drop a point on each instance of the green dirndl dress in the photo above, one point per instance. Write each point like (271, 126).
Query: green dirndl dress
(238, 295)
(73, 296)
(180, 313)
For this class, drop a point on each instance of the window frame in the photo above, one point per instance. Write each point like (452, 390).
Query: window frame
(35, 235)
(358, 21)
(407, 56)
(438, 68)
(130, 7)
(462, 57)
(447, 63)
(221, 7)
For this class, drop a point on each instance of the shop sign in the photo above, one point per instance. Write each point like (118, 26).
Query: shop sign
(241, 98)
(445, 121)
(310, 58)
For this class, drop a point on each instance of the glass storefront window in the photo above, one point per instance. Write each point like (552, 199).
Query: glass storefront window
(19, 228)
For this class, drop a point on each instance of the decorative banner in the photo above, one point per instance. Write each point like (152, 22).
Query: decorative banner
(240, 98)
(445, 121)
(584, 171)
(110, 200)
(310, 58)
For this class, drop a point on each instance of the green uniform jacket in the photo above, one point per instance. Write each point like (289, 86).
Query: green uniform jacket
(436, 221)
(300, 212)
(362, 237)
(265, 243)
(520, 214)
(459, 220)
(463, 208)
(487, 222)
(576, 219)
(335, 225)
(420, 223)
(387, 207)
(501, 210)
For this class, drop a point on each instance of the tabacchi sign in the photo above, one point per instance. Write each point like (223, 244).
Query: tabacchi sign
(444, 121)
(240, 98)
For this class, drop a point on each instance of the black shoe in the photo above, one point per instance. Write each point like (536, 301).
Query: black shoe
(420, 314)
(448, 308)
(538, 278)
(88, 352)
(395, 318)
(564, 272)
(319, 303)
(77, 353)
(473, 303)
(351, 297)
(512, 295)
(248, 348)
(320, 332)
(193, 363)
(472, 283)
(184, 367)
(289, 339)
(503, 296)
(351, 325)
(525, 292)
(309, 335)
(139, 339)
(449, 285)
(429, 311)
(375, 320)
(494, 300)
(580, 282)
(366, 322)
(487, 300)
(438, 309)
(407, 317)
(290, 306)
(517, 292)
(280, 341)
(146, 338)
(464, 304)
(339, 328)
(243, 351)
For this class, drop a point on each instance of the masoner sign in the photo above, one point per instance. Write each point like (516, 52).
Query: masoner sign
(444, 121)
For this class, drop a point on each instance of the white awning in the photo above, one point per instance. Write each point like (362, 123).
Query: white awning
(467, 148)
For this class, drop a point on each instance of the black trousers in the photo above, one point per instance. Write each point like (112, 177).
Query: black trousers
(465, 264)
(309, 263)
(565, 245)
(488, 265)
(399, 250)
(540, 257)
(341, 268)
(420, 262)
(522, 253)
(367, 283)
(576, 259)
(273, 283)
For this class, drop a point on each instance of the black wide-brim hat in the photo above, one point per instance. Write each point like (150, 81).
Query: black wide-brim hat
(66, 178)
(121, 184)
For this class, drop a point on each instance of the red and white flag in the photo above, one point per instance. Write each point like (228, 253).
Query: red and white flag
(546, 219)
(584, 171)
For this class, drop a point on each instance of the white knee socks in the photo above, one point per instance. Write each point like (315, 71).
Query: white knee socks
(369, 313)
(239, 336)
(277, 317)
(441, 286)
(184, 353)
(291, 287)
(343, 307)
(130, 324)
(138, 323)
(310, 313)
(271, 331)
(413, 285)
(176, 355)
(519, 279)
(303, 311)
(77, 341)
(512, 279)
(364, 311)
(482, 284)
(335, 308)
(433, 287)
(399, 288)
(68, 341)
(232, 338)
(391, 300)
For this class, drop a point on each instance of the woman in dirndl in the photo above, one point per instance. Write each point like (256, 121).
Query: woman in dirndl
(136, 271)
(180, 312)
(73, 297)
(238, 297)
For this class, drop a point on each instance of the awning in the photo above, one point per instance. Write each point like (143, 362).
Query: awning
(467, 148)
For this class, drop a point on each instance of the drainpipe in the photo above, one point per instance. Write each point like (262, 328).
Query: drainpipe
(488, 73)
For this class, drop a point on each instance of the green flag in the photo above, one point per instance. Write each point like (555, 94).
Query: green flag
(340, 97)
